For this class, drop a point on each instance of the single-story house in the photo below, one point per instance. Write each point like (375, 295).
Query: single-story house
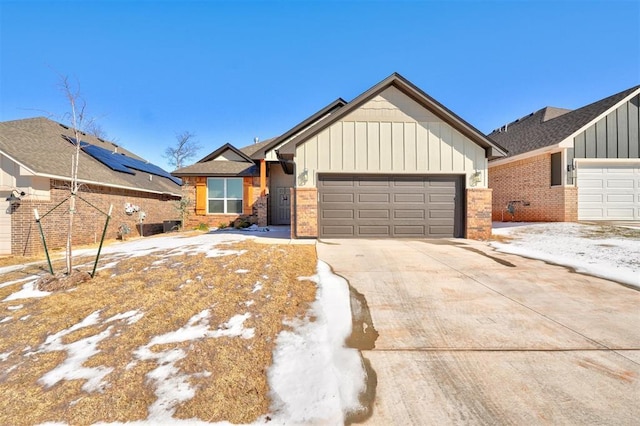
(393, 162)
(570, 165)
(35, 172)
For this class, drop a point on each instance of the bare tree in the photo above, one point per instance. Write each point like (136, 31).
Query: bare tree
(185, 149)
(77, 120)
(94, 129)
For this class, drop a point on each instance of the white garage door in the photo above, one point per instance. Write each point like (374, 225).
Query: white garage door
(5, 227)
(608, 191)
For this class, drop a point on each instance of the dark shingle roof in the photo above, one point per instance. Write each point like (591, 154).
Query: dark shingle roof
(549, 126)
(218, 168)
(40, 145)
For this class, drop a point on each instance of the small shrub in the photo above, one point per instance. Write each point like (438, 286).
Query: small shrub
(241, 223)
(202, 227)
(222, 226)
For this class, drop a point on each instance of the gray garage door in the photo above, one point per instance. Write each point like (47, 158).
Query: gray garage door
(390, 206)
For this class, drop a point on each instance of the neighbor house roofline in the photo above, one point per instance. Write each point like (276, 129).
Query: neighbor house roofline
(492, 148)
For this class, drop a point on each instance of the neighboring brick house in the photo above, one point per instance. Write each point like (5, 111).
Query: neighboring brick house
(393, 162)
(35, 169)
(568, 165)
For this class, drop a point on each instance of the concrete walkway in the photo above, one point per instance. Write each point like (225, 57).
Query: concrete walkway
(470, 336)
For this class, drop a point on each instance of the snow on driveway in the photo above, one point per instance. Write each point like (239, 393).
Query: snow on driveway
(604, 251)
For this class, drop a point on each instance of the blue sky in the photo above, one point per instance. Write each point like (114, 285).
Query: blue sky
(232, 71)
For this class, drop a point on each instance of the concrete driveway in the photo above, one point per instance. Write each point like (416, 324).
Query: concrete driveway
(466, 335)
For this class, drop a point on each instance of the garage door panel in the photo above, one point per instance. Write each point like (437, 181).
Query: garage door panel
(373, 198)
(337, 230)
(337, 214)
(373, 214)
(337, 198)
(608, 192)
(408, 230)
(409, 214)
(409, 198)
(371, 230)
(390, 206)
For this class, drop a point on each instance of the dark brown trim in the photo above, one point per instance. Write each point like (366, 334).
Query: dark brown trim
(414, 93)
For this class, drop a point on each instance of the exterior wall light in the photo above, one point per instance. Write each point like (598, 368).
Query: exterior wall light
(15, 199)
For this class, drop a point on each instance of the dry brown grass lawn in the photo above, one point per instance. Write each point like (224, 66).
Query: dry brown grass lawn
(228, 373)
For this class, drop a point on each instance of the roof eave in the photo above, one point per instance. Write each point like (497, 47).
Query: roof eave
(414, 93)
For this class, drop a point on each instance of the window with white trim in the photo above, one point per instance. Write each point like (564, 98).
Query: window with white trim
(224, 195)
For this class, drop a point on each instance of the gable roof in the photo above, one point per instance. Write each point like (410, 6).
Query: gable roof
(300, 127)
(550, 126)
(492, 148)
(251, 153)
(222, 149)
(44, 148)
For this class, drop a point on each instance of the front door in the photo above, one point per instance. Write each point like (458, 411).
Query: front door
(281, 206)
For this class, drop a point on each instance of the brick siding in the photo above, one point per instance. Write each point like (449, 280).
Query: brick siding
(193, 220)
(478, 220)
(88, 222)
(529, 180)
(304, 213)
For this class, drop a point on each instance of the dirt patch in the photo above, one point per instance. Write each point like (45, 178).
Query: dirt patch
(129, 304)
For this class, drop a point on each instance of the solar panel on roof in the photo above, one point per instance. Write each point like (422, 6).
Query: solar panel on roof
(106, 158)
(124, 164)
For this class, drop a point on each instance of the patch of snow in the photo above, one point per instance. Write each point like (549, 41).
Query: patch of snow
(29, 290)
(8, 283)
(4, 356)
(249, 302)
(257, 287)
(24, 318)
(132, 317)
(574, 245)
(78, 353)
(5, 319)
(242, 271)
(314, 378)
(171, 386)
(15, 308)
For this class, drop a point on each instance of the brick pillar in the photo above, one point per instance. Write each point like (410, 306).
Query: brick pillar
(570, 204)
(304, 213)
(261, 210)
(478, 223)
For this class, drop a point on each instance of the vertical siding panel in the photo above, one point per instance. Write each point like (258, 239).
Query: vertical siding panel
(335, 138)
(634, 126)
(579, 145)
(612, 135)
(410, 147)
(397, 146)
(385, 147)
(373, 147)
(590, 142)
(623, 131)
(361, 146)
(422, 147)
(458, 151)
(601, 138)
(434, 147)
(324, 151)
(348, 145)
(446, 149)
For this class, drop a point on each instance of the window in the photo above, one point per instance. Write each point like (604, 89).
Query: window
(224, 195)
(556, 169)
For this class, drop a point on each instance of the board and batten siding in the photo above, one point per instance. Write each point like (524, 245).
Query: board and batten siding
(389, 134)
(614, 136)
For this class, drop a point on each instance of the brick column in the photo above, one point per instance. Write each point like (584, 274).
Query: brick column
(304, 214)
(261, 210)
(478, 223)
